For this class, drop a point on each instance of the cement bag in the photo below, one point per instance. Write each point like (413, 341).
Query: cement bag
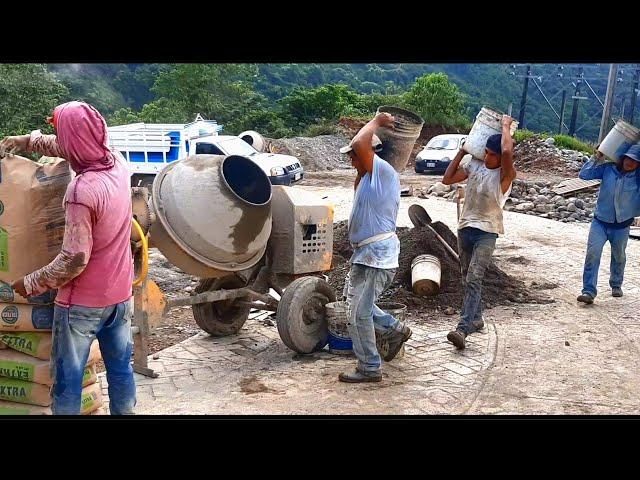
(91, 399)
(23, 367)
(11, 408)
(90, 376)
(36, 344)
(94, 353)
(31, 214)
(20, 391)
(25, 318)
(9, 295)
(30, 369)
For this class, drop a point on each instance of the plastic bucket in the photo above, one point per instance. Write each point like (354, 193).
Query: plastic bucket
(340, 342)
(399, 311)
(618, 140)
(425, 275)
(337, 318)
(397, 144)
(488, 122)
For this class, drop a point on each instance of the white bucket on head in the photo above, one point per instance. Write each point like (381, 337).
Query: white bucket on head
(425, 275)
(488, 122)
(618, 140)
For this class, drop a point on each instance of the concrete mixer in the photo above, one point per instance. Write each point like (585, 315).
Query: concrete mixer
(220, 219)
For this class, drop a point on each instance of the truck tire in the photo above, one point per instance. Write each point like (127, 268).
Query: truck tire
(220, 319)
(301, 319)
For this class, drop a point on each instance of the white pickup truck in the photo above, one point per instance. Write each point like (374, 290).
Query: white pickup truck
(149, 147)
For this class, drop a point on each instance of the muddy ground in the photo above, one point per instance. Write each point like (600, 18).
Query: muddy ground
(499, 288)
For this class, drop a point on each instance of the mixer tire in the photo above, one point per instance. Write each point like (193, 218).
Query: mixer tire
(220, 319)
(301, 319)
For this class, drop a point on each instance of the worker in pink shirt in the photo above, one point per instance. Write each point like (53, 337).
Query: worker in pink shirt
(94, 271)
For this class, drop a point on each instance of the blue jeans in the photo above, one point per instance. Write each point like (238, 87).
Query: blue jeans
(475, 247)
(74, 330)
(365, 284)
(599, 234)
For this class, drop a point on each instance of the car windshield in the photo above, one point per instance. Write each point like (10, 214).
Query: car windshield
(236, 146)
(443, 144)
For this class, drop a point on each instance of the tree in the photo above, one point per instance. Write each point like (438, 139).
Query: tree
(29, 94)
(308, 106)
(436, 100)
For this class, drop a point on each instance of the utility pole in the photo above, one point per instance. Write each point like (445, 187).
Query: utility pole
(608, 101)
(576, 98)
(562, 105)
(634, 95)
(523, 101)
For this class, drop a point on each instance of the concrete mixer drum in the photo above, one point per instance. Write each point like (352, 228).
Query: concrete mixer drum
(220, 219)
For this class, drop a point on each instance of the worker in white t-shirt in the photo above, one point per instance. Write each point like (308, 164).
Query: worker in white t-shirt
(488, 187)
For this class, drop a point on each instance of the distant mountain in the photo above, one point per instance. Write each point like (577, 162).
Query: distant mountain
(113, 86)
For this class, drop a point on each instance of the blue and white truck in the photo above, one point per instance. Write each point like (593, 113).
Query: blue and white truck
(149, 147)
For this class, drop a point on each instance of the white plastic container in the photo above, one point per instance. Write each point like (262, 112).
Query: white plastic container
(618, 140)
(425, 275)
(488, 122)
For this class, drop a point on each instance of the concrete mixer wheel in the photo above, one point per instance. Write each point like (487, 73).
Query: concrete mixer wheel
(301, 319)
(223, 318)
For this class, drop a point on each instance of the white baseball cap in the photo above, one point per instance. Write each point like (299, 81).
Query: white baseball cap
(375, 143)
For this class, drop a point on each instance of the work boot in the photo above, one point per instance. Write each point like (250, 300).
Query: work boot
(478, 324)
(359, 377)
(616, 291)
(586, 298)
(395, 341)
(457, 337)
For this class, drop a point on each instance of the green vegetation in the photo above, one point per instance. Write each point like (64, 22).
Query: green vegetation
(29, 93)
(291, 99)
(570, 143)
(521, 135)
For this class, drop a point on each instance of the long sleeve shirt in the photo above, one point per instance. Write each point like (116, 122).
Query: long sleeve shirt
(95, 266)
(619, 197)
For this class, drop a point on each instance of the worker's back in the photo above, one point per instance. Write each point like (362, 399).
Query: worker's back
(107, 278)
(376, 202)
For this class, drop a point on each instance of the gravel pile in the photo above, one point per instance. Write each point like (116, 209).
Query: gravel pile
(319, 153)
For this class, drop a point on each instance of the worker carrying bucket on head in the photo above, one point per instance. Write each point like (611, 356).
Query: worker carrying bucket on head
(94, 271)
(618, 204)
(489, 183)
(372, 233)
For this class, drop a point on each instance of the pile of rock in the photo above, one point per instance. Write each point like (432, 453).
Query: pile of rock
(316, 154)
(537, 155)
(536, 198)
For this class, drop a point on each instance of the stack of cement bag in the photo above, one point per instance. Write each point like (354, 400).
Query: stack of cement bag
(31, 234)
(25, 378)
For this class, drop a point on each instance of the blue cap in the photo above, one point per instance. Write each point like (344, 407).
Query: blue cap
(494, 143)
(633, 152)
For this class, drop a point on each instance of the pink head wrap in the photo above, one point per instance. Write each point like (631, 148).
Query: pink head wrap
(82, 137)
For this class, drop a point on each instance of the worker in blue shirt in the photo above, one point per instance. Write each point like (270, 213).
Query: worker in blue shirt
(618, 204)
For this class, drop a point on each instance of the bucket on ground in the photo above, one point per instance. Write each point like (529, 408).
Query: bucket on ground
(213, 214)
(399, 311)
(425, 275)
(397, 144)
(340, 342)
(337, 318)
(618, 140)
(488, 122)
